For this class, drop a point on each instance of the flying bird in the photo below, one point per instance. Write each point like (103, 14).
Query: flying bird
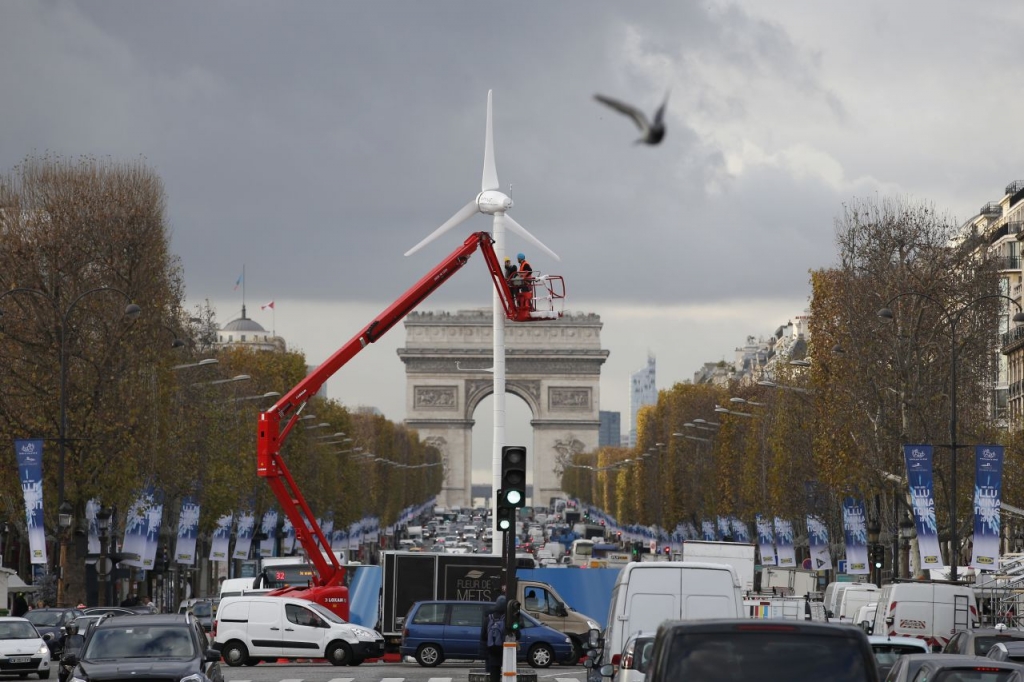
(650, 133)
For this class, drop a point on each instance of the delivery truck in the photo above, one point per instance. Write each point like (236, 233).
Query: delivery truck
(409, 577)
(736, 554)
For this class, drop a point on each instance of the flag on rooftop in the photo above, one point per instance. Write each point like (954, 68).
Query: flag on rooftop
(238, 282)
(267, 305)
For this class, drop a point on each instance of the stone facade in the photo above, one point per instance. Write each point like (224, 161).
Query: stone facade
(552, 365)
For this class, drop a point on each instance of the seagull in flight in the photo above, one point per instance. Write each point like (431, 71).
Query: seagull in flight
(650, 133)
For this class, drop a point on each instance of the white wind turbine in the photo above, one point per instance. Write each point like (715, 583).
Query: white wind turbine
(492, 201)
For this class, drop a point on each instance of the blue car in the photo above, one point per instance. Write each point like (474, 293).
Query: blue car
(438, 630)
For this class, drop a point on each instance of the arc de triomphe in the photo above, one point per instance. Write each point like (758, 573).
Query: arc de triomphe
(553, 365)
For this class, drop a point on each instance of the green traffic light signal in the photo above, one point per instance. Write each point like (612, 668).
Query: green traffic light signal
(512, 618)
(513, 476)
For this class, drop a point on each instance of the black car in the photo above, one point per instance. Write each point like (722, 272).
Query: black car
(763, 650)
(50, 623)
(166, 646)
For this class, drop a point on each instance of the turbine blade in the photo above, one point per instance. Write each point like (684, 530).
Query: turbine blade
(490, 179)
(521, 231)
(464, 214)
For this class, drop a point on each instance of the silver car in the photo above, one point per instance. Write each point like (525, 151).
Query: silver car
(953, 667)
(635, 657)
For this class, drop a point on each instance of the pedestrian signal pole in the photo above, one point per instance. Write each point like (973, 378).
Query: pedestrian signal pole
(511, 497)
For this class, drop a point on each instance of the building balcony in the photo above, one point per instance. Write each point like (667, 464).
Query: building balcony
(1012, 340)
(1007, 262)
(990, 209)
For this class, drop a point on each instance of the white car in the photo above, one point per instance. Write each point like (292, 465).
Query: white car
(22, 650)
(635, 657)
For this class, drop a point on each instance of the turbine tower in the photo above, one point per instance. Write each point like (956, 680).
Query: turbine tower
(492, 201)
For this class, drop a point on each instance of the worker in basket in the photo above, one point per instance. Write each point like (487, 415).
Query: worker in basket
(524, 295)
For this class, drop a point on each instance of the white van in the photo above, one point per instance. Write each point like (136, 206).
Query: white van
(853, 597)
(649, 593)
(927, 610)
(249, 629)
(235, 587)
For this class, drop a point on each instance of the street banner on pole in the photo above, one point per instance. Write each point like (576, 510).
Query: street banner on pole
(784, 543)
(337, 540)
(92, 508)
(707, 531)
(154, 517)
(243, 537)
(135, 530)
(269, 529)
(288, 544)
(724, 529)
(919, 476)
(30, 470)
(988, 483)
(817, 537)
(856, 532)
(766, 541)
(220, 545)
(327, 526)
(740, 532)
(188, 531)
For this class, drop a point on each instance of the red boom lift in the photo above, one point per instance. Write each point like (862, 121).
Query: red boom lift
(543, 301)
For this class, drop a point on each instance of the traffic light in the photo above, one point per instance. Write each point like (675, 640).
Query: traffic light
(668, 550)
(506, 518)
(512, 621)
(513, 477)
(635, 551)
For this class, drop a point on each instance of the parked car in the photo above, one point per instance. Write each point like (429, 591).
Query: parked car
(1012, 651)
(905, 668)
(22, 649)
(957, 668)
(713, 650)
(435, 631)
(888, 649)
(978, 641)
(50, 623)
(167, 646)
(250, 628)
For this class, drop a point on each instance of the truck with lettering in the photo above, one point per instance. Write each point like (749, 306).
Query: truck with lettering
(409, 577)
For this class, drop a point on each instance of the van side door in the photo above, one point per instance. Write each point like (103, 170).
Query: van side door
(264, 628)
(542, 605)
(304, 632)
(463, 629)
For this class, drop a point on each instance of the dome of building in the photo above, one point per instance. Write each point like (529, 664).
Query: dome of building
(243, 324)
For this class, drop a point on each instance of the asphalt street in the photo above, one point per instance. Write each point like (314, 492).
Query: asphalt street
(380, 672)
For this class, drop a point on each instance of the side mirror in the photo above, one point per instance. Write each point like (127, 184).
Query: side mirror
(889, 620)
(211, 655)
(561, 611)
(607, 670)
(588, 663)
(594, 639)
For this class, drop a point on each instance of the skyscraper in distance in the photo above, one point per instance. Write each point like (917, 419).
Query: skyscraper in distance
(642, 391)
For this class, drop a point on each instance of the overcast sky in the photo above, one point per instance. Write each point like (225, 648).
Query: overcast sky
(315, 142)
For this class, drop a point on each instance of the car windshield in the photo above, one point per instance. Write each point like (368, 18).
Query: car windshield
(974, 675)
(202, 609)
(765, 656)
(45, 618)
(17, 630)
(147, 641)
(326, 613)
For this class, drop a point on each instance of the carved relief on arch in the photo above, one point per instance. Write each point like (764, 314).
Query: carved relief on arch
(567, 448)
(478, 389)
(441, 443)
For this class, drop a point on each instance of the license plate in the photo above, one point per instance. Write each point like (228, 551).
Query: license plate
(24, 659)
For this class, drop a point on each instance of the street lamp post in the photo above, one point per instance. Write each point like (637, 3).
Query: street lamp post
(65, 517)
(874, 528)
(103, 564)
(906, 535)
(951, 318)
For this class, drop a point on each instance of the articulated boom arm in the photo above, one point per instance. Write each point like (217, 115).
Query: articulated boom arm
(271, 435)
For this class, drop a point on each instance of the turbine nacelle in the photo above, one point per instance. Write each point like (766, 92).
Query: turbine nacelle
(492, 201)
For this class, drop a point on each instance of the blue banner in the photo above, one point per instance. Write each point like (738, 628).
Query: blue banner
(92, 508)
(707, 531)
(155, 515)
(269, 529)
(918, 459)
(243, 538)
(288, 543)
(817, 538)
(784, 543)
(856, 531)
(988, 484)
(724, 528)
(135, 531)
(220, 545)
(30, 471)
(740, 532)
(188, 531)
(766, 541)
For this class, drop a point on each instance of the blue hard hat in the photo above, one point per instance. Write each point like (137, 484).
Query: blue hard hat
(521, 256)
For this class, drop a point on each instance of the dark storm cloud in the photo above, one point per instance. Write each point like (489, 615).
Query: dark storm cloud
(316, 142)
